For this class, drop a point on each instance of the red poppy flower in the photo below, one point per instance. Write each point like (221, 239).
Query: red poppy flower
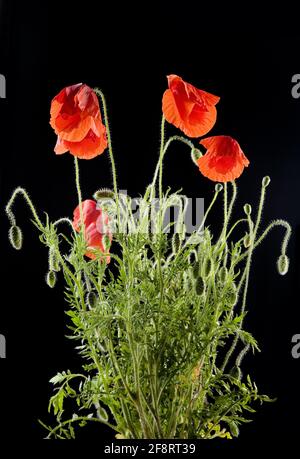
(190, 109)
(224, 159)
(76, 119)
(96, 224)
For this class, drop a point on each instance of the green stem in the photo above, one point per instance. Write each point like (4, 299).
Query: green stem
(10, 214)
(110, 149)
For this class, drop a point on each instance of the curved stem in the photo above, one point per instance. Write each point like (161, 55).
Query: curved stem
(25, 195)
(82, 418)
(272, 225)
(79, 194)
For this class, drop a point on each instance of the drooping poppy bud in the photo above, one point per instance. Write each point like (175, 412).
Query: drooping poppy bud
(283, 264)
(247, 241)
(247, 209)
(15, 237)
(51, 279)
(266, 181)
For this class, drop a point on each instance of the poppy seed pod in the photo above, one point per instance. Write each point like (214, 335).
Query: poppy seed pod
(283, 264)
(199, 286)
(195, 155)
(247, 209)
(92, 299)
(218, 187)
(51, 279)
(15, 237)
(266, 181)
(103, 193)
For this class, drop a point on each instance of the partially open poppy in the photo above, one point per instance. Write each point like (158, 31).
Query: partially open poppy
(190, 109)
(96, 227)
(76, 119)
(224, 159)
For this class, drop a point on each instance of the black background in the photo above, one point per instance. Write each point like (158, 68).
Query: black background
(128, 51)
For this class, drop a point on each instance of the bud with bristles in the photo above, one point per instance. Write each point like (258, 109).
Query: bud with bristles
(15, 237)
(196, 154)
(207, 268)
(176, 242)
(218, 187)
(103, 193)
(283, 264)
(223, 272)
(92, 299)
(53, 260)
(247, 209)
(51, 279)
(231, 295)
(266, 181)
(199, 286)
(247, 241)
(196, 269)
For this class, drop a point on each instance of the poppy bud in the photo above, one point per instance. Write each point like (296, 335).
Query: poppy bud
(196, 269)
(223, 272)
(283, 264)
(196, 154)
(207, 267)
(103, 193)
(247, 209)
(231, 295)
(176, 242)
(15, 237)
(51, 279)
(236, 372)
(247, 241)
(92, 299)
(200, 286)
(53, 260)
(266, 181)
(218, 187)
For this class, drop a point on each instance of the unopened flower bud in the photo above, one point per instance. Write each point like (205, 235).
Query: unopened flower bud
(283, 264)
(51, 279)
(103, 193)
(247, 209)
(53, 260)
(247, 241)
(176, 242)
(207, 267)
(266, 181)
(223, 272)
(92, 299)
(218, 187)
(196, 154)
(15, 237)
(231, 295)
(199, 286)
(196, 269)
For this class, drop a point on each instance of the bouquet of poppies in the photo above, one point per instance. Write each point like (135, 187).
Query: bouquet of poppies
(157, 314)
